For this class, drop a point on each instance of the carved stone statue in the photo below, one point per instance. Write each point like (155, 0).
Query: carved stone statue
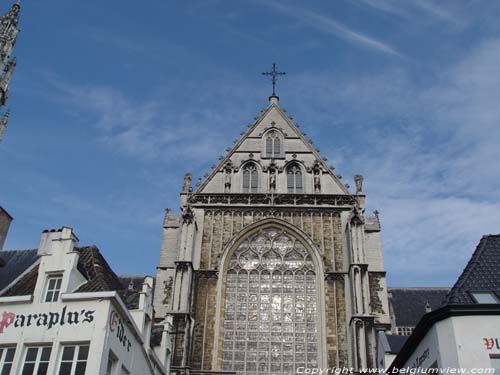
(358, 180)
(227, 181)
(186, 187)
(317, 182)
(272, 180)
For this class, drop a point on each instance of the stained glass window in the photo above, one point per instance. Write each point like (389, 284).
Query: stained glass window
(270, 322)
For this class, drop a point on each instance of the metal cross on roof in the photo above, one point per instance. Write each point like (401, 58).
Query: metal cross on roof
(274, 75)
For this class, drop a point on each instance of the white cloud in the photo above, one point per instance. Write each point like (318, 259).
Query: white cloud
(421, 10)
(157, 127)
(330, 26)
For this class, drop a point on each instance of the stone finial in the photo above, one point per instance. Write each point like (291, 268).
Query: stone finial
(358, 180)
(186, 187)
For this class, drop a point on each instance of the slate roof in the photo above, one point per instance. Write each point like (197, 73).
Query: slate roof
(131, 287)
(395, 342)
(16, 262)
(408, 304)
(481, 274)
(91, 265)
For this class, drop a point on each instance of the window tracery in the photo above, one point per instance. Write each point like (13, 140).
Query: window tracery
(270, 322)
(294, 179)
(250, 178)
(273, 145)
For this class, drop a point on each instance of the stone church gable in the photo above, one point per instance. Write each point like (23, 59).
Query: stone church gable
(241, 295)
(293, 148)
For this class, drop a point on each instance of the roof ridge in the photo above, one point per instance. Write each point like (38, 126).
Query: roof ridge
(430, 288)
(12, 250)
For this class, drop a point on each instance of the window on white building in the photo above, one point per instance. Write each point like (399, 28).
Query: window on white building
(484, 297)
(495, 363)
(37, 360)
(6, 359)
(74, 359)
(112, 362)
(53, 288)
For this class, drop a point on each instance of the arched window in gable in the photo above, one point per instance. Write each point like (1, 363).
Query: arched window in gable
(273, 145)
(294, 179)
(250, 178)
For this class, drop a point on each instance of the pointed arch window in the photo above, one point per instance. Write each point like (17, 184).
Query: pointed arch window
(250, 178)
(270, 317)
(294, 179)
(273, 145)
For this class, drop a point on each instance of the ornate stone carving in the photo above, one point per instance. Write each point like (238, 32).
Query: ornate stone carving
(340, 200)
(228, 169)
(187, 215)
(358, 180)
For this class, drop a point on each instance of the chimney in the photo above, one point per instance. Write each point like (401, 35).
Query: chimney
(5, 220)
(57, 240)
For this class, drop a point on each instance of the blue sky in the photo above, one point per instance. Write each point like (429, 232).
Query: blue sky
(113, 101)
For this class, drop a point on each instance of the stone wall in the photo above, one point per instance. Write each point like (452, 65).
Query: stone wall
(204, 326)
(336, 327)
(323, 227)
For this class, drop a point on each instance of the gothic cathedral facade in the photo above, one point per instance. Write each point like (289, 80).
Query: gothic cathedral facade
(271, 265)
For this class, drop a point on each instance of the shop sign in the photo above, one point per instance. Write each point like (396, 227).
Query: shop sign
(47, 320)
(116, 325)
(491, 343)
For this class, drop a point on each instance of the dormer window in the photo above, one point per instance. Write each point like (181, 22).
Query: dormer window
(294, 179)
(273, 145)
(53, 288)
(485, 297)
(250, 178)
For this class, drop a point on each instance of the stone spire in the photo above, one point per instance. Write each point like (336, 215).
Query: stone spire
(9, 28)
(3, 123)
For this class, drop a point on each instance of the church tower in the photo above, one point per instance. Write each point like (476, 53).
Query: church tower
(9, 28)
(271, 265)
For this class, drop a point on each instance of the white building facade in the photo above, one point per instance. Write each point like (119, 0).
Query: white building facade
(456, 336)
(464, 333)
(58, 318)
